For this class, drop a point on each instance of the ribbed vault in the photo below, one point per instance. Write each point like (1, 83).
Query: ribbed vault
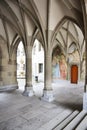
(22, 18)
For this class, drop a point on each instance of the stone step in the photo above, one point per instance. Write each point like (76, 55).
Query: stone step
(67, 121)
(74, 123)
(59, 118)
(83, 124)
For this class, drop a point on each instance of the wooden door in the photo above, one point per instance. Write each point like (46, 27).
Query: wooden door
(74, 74)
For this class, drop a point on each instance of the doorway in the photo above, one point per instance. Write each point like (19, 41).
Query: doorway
(74, 74)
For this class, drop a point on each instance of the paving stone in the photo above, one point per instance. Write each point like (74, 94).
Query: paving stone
(12, 123)
(18, 112)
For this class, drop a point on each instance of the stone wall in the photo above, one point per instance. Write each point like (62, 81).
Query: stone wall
(7, 69)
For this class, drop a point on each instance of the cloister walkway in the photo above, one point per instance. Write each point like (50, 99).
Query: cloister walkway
(18, 112)
(65, 93)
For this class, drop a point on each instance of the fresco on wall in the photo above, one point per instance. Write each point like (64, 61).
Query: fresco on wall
(55, 67)
(59, 66)
(63, 67)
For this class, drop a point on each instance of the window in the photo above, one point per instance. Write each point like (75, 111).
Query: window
(40, 68)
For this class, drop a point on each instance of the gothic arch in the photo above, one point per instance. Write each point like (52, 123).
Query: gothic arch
(59, 25)
(14, 45)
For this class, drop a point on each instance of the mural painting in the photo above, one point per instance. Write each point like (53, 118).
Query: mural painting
(59, 66)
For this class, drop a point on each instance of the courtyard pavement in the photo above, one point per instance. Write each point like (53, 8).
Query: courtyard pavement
(18, 112)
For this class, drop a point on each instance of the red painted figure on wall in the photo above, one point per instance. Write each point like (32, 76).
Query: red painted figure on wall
(63, 68)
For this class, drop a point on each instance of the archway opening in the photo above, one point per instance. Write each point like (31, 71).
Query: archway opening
(21, 66)
(74, 63)
(37, 62)
(38, 67)
(70, 40)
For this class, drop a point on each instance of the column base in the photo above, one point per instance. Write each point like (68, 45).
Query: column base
(48, 96)
(85, 101)
(28, 92)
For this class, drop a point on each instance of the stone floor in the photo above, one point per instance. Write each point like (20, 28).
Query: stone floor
(18, 112)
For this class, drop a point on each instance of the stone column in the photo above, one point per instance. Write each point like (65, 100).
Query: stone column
(48, 92)
(85, 86)
(85, 95)
(0, 75)
(0, 68)
(85, 37)
(68, 71)
(28, 87)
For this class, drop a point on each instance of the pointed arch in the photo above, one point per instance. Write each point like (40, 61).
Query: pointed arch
(37, 21)
(59, 25)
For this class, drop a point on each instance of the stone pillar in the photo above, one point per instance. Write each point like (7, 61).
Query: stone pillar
(48, 92)
(68, 71)
(85, 37)
(28, 87)
(85, 86)
(0, 68)
(85, 94)
(1, 76)
(85, 91)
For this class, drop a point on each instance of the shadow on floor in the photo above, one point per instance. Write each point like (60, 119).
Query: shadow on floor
(68, 105)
